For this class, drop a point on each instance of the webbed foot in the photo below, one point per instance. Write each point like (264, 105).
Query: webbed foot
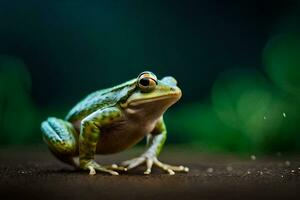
(150, 161)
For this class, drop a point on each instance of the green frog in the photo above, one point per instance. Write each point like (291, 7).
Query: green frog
(111, 120)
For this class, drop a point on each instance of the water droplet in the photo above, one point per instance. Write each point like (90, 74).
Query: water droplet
(284, 115)
(265, 117)
(253, 157)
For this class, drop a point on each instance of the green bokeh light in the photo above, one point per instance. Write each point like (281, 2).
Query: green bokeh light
(244, 101)
(282, 62)
(18, 116)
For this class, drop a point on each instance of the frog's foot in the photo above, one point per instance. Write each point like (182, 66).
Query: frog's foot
(150, 161)
(92, 166)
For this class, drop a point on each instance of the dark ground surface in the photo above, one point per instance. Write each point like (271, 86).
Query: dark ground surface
(33, 173)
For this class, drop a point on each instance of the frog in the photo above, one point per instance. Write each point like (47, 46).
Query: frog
(115, 119)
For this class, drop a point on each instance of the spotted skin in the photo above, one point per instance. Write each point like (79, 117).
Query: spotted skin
(61, 138)
(101, 99)
(91, 132)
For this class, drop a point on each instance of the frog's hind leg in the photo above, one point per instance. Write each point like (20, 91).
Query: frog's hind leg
(61, 138)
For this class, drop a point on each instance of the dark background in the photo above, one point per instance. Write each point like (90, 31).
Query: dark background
(53, 53)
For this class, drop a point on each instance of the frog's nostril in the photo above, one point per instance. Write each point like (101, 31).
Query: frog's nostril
(172, 89)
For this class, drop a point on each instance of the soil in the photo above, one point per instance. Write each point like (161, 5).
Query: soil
(34, 173)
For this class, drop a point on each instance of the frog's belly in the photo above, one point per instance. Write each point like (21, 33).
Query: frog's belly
(122, 135)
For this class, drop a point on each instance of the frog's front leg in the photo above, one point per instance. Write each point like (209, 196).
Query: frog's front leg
(90, 134)
(155, 142)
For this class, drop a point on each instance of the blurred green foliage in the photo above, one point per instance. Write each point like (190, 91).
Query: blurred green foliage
(282, 62)
(18, 115)
(250, 111)
(245, 113)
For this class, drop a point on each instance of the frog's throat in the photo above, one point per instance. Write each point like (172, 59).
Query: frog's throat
(150, 109)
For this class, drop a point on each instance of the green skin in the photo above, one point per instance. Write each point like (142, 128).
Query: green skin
(112, 120)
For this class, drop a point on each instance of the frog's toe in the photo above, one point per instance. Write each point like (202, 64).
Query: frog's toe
(92, 166)
(105, 169)
(149, 164)
(113, 173)
(130, 164)
(136, 163)
(101, 169)
(92, 171)
(117, 167)
(171, 169)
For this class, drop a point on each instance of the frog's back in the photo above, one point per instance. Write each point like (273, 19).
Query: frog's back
(100, 99)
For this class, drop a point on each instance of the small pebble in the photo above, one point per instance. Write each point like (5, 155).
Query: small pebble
(210, 170)
(293, 171)
(248, 172)
(253, 157)
(261, 173)
(229, 168)
(281, 176)
(287, 163)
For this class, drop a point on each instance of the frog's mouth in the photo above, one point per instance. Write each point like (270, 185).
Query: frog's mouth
(167, 99)
(150, 100)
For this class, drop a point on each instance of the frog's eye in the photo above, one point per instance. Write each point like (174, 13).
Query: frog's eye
(147, 81)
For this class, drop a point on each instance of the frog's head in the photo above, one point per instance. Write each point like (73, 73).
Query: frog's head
(152, 95)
